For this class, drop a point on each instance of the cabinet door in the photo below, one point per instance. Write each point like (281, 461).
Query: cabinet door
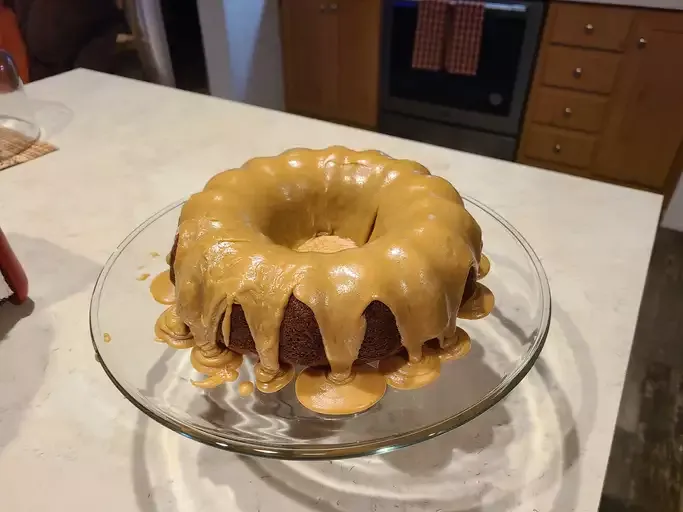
(309, 49)
(359, 60)
(645, 127)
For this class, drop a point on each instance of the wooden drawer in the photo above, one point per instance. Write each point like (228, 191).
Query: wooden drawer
(555, 145)
(568, 109)
(591, 26)
(585, 70)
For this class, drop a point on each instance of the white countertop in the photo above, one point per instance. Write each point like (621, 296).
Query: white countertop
(70, 441)
(651, 4)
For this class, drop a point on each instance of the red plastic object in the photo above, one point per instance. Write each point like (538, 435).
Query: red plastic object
(12, 272)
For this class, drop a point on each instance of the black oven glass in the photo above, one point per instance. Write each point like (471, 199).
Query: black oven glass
(489, 92)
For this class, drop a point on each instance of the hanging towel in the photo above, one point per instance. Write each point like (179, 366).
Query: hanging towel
(462, 52)
(430, 34)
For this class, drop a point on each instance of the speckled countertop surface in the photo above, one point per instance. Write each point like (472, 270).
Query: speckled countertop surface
(70, 441)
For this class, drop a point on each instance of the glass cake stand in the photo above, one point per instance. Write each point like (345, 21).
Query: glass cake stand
(156, 378)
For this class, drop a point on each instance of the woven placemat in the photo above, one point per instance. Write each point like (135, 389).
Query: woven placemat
(12, 141)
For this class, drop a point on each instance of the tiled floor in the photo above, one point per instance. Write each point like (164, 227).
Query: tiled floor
(645, 471)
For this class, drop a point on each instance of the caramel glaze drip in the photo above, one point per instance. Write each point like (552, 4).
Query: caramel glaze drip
(402, 374)
(484, 266)
(267, 382)
(363, 389)
(221, 367)
(455, 347)
(479, 305)
(415, 241)
(170, 329)
(162, 288)
(245, 388)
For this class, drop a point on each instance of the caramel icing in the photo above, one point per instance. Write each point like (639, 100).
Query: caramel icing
(484, 266)
(362, 389)
(162, 288)
(455, 347)
(269, 382)
(170, 329)
(337, 229)
(479, 305)
(402, 373)
(220, 367)
(416, 246)
(245, 388)
(326, 244)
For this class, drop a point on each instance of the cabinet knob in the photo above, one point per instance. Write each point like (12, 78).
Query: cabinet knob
(578, 72)
(333, 7)
(568, 112)
(589, 28)
(557, 148)
(642, 42)
(323, 7)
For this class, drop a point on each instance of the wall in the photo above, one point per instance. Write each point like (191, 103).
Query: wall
(673, 218)
(242, 48)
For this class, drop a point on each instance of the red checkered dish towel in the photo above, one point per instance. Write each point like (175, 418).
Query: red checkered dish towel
(462, 54)
(430, 34)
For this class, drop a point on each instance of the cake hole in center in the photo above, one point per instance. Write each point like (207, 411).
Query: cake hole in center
(326, 244)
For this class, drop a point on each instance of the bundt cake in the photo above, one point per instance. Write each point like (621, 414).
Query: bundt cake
(326, 259)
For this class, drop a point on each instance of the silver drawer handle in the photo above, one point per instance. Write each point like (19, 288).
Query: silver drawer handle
(589, 28)
(333, 7)
(642, 42)
(557, 148)
(578, 72)
(568, 112)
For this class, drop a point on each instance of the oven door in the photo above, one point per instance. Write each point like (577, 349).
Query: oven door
(493, 99)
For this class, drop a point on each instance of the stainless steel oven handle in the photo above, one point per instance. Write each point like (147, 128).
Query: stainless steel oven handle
(498, 6)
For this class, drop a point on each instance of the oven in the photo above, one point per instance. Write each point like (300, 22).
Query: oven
(481, 113)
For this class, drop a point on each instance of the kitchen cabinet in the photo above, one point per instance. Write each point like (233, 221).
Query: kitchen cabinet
(561, 146)
(645, 128)
(607, 96)
(588, 27)
(563, 109)
(331, 58)
(583, 70)
(309, 40)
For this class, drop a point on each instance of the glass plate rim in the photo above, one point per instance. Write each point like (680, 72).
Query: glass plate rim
(346, 450)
